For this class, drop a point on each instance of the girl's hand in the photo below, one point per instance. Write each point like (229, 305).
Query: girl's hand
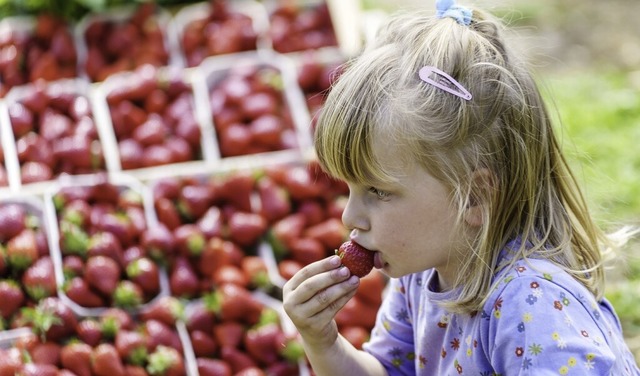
(314, 295)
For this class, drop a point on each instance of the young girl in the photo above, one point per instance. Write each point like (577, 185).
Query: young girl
(458, 185)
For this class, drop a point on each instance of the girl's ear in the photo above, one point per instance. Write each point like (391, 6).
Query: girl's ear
(483, 181)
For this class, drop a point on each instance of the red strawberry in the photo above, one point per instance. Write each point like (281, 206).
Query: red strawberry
(330, 232)
(306, 250)
(22, 249)
(135, 370)
(132, 253)
(283, 368)
(45, 353)
(260, 342)
(203, 344)
(230, 274)
(232, 302)
(131, 346)
(236, 189)
(356, 258)
(39, 279)
(105, 243)
(72, 266)
(105, 361)
(89, 331)
(251, 371)
(152, 131)
(194, 200)
(237, 359)
(160, 334)
(79, 291)
(146, 274)
(255, 271)
(76, 357)
(114, 319)
(284, 231)
(190, 240)
(158, 242)
(211, 222)
(166, 187)
(12, 221)
(167, 309)
(167, 212)
(273, 198)
(118, 224)
(10, 361)
(288, 268)
(199, 317)
(219, 252)
(166, 361)
(212, 367)
(301, 184)
(229, 333)
(51, 319)
(183, 280)
(246, 228)
(313, 210)
(102, 273)
(34, 369)
(11, 298)
(21, 119)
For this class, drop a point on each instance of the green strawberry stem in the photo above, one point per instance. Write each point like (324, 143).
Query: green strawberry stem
(292, 351)
(41, 319)
(138, 356)
(125, 297)
(74, 240)
(160, 360)
(267, 316)
(262, 281)
(110, 327)
(212, 301)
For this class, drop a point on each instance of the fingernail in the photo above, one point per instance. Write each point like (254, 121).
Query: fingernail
(354, 280)
(343, 272)
(334, 260)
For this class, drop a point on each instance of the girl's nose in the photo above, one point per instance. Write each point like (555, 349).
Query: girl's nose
(353, 216)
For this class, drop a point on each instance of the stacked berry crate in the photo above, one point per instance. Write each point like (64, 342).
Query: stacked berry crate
(158, 188)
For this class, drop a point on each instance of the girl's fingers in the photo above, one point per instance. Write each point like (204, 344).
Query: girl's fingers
(312, 270)
(327, 291)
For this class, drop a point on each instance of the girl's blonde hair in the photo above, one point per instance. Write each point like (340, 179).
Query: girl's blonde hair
(504, 129)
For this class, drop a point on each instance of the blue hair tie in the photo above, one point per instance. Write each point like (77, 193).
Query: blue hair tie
(448, 8)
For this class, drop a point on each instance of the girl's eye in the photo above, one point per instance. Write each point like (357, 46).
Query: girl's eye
(378, 193)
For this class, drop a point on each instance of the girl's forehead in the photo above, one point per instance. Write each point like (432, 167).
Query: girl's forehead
(393, 159)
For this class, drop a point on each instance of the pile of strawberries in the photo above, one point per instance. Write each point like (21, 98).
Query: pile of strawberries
(203, 241)
(151, 244)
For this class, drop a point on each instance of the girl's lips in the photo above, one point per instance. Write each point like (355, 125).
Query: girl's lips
(378, 263)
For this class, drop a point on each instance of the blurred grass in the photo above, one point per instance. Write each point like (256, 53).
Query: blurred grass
(598, 118)
(600, 130)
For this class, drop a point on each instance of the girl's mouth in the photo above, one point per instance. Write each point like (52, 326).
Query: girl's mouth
(378, 263)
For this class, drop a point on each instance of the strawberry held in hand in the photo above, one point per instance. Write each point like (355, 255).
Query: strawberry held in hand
(356, 258)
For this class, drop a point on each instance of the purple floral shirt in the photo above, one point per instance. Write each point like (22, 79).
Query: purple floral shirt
(537, 321)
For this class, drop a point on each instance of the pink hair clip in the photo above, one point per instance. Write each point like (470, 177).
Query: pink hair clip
(443, 81)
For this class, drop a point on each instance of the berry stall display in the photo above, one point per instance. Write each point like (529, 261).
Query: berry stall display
(54, 130)
(158, 188)
(32, 49)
